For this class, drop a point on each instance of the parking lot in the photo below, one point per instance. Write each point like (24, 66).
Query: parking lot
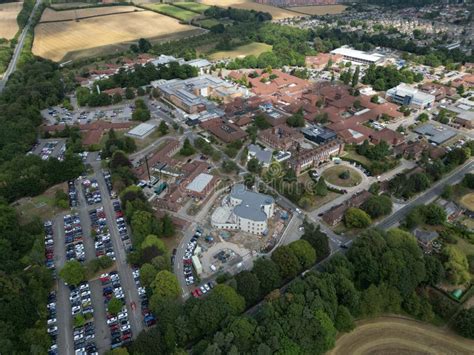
(50, 148)
(60, 115)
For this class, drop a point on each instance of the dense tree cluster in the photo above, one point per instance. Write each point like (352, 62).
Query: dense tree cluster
(385, 77)
(239, 15)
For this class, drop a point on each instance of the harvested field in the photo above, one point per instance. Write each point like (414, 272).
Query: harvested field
(276, 12)
(173, 11)
(319, 10)
(53, 15)
(242, 51)
(397, 335)
(94, 36)
(8, 13)
(468, 201)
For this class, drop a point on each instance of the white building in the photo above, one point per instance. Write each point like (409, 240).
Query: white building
(409, 96)
(244, 210)
(141, 131)
(357, 56)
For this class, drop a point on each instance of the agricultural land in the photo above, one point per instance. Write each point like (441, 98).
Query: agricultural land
(394, 335)
(8, 14)
(276, 12)
(65, 40)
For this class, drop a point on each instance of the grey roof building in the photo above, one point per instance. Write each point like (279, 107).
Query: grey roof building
(318, 134)
(264, 156)
(434, 134)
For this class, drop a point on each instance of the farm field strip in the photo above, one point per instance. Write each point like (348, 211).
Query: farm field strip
(50, 15)
(319, 9)
(192, 6)
(56, 39)
(8, 13)
(276, 12)
(397, 335)
(173, 11)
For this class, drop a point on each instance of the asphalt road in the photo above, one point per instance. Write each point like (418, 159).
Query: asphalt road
(426, 196)
(16, 53)
(123, 268)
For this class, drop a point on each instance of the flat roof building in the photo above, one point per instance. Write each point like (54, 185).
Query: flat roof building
(264, 156)
(437, 135)
(357, 56)
(141, 131)
(409, 96)
(318, 134)
(200, 182)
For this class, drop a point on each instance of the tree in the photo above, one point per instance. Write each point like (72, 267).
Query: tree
(464, 323)
(129, 93)
(377, 206)
(254, 166)
(456, 265)
(320, 188)
(72, 273)
(248, 286)
(344, 321)
(434, 270)
(447, 192)
(267, 273)
(165, 286)
(423, 117)
(147, 274)
(144, 45)
(434, 214)
(187, 148)
(287, 262)
(468, 180)
(297, 120)
(355, 77)
(460, 90)
(356, 218)
(318, 240)
(117, 98)
(163, 128)
(304, 252)
(114, 306)
(141, 114)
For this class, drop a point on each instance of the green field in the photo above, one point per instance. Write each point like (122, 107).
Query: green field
(192, 6)
(254, 48)
(172, 11)
(210, 22)
(332, 175)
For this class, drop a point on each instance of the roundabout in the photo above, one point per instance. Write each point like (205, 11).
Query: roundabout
(342, 176)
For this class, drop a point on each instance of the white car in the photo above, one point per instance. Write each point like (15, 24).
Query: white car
(52, 329)
(52, 321)
(112, 320)
(122, 315)
(75, 310)
(125, 327)
(141, 291)
(78, 337)
(203, 289)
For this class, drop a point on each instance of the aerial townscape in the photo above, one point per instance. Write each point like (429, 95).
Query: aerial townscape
(236, 177)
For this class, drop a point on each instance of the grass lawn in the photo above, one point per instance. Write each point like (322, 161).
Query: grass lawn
(467, 201)
(210, 22)
(332, 175)
(173, 11)
(192, 6)
(254, 48)
(41, 206)
(352, 154)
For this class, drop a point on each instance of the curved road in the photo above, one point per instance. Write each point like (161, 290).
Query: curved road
(16, 53)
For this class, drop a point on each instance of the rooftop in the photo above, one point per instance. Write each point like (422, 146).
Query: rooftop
(347, 51)
(252, 203)
(200, 182)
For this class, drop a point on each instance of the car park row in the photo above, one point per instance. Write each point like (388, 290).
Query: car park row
(51, 306)
(121, 225)
(91, 191)
(148, 318)
(82, 311)
(187, 258)
(119, 324)
(103, 244)
(72, 192)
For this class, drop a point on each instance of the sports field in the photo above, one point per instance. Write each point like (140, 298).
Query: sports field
(8, 14)
(173, 11)
(67, 40)
(320, 10)
(254, 48)
(468, 201)
(394, 335)
(276, 12)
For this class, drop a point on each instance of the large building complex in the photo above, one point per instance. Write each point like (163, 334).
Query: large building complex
(357, 56)
(244, 210)
(408, 96)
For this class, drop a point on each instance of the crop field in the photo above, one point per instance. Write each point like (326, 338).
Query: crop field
(60, 41)
(394, 335)
(254, 48)
(276, 12)
(53, 15)
(8, 14)
(468, 201)
(173, 11)
(192, 6)
(320, 10)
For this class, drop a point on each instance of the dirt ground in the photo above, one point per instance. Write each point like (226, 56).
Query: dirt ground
(56, 40)
(398, 335)
(8, 14)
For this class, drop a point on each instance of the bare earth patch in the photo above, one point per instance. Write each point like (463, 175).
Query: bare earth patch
(8, 13)
(397, 335)
(55, 40)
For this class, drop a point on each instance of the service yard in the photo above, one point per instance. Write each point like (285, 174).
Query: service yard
(396, 335)
(8, 14)
(276, 12)
(67, 40)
